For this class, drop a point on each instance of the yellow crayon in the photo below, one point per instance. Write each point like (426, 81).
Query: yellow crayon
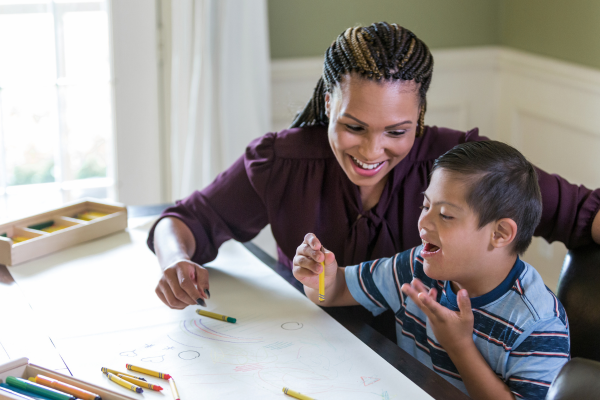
(174, 391)
(216, 316)
(53, 228)
(140, 383)
(90, 215)
(124, 383)
(147, 371)
(19, 239)
(115, 372)
(297, 395)
(322, 283)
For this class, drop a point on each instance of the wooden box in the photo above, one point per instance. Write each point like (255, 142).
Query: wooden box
(21, 368)
(41, 234)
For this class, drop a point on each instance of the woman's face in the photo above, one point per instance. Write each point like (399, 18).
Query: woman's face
(372, 126)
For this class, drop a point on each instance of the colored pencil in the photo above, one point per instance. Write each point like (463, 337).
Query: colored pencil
(140, 382)
(297, 395)
(34, 388)
(65, 387)
(124, 383)
(114, 372)
(147, 371)
(174, 391)
(216, 316)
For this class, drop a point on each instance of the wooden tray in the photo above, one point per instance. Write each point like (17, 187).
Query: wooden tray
(21, 368)
(38, 235)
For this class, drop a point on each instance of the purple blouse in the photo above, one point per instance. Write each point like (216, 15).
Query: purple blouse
(292, 180)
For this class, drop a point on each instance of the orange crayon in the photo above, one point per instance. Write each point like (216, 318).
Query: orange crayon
(65, 387)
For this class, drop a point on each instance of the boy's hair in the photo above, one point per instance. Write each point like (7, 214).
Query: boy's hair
(501, 184)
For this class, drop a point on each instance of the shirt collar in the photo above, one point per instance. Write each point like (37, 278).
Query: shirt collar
(490, 297)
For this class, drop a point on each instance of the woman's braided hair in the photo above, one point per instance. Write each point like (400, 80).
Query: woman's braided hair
(380, 51)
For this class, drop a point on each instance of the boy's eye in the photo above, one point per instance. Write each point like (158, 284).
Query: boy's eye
(446, 217)
(424, 207)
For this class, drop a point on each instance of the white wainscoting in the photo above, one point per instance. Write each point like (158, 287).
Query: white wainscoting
(548, 109)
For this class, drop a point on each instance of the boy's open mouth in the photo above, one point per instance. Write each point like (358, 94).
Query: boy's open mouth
(430, 247)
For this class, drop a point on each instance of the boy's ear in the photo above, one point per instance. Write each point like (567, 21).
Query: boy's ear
(504, 232)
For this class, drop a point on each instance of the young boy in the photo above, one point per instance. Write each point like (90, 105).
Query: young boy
(466, 305)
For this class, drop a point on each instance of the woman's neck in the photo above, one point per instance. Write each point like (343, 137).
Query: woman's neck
(370, 195)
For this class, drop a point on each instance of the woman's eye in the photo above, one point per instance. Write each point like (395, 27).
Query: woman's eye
(354, 128)
(396, 133)
(446, 217)
(424, 208)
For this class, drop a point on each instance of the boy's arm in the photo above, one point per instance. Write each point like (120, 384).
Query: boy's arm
(307, 267)
(479, 379)
(454, 331)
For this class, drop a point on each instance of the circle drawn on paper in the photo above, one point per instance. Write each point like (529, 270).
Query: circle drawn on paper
(292, 326)
(189, 355)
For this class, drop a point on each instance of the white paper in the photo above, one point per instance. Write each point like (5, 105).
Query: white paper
(98, 300)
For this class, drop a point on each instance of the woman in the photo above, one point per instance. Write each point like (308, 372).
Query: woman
(351, 169)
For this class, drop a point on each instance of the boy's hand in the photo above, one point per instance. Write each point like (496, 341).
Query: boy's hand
(454, 330)
(307, 263)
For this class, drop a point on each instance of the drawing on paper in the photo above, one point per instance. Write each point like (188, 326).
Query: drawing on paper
(189, 354)
(292, 326)
(263, 356)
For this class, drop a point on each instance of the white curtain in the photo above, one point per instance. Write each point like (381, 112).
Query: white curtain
(220, 86)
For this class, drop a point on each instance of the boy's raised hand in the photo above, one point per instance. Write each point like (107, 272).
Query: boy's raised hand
(307, 263)
(452, 329)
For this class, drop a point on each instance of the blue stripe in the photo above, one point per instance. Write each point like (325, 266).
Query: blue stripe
(545, 344)
(528, 390)
(495, 329)
(370, 285)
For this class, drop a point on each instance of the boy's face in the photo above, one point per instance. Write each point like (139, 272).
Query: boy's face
(454, 246)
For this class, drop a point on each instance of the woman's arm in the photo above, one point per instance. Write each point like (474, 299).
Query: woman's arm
(596, 228)
(190, 233)
(183, 282)
(569, 212)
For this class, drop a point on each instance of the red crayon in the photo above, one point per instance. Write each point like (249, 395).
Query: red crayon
(147, 371)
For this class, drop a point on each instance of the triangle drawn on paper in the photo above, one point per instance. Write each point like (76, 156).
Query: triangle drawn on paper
(368, 380)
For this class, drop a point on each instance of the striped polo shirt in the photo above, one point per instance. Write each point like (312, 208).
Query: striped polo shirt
(520, 327)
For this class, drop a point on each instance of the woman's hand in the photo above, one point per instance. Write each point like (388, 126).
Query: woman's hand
(183, 283)
(307, 263)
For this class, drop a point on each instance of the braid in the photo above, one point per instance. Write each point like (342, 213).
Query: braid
(379, 51)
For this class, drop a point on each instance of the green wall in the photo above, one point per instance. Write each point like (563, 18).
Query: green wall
(305, 28)
(563, 29)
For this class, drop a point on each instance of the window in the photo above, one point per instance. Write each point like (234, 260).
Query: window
(56, 112)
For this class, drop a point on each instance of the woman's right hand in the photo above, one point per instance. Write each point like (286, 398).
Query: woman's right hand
(307, 263)
(183, 283)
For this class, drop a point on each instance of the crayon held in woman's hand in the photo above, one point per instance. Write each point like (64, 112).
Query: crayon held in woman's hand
(140, 382)
(297, 395)
(147, 371)
(124, 383)
(65, 387)
(216, 316)
(322, 283)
